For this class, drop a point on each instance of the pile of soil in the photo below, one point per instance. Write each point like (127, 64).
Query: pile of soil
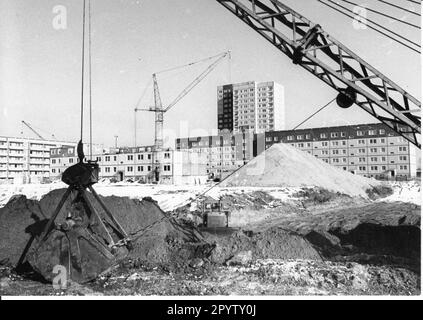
(285, 166)
(157, 238)
(274, 243)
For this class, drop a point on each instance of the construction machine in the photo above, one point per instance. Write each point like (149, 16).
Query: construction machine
(85, 241)
(159, 110)
(308, 45)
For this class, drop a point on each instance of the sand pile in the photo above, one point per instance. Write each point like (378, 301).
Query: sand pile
(156, 237)
(285, 166)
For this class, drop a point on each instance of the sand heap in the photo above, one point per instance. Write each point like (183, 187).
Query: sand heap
(285, 166)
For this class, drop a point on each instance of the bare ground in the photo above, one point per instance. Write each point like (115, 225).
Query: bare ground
(343, 246)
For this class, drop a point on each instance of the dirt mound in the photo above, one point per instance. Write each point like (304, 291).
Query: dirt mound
(273, 243)
(156, 236)
(285, 166)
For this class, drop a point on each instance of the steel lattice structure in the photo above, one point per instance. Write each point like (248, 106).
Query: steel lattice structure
(309, 46)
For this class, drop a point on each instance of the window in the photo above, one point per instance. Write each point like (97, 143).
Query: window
(324, 144)
(335, 151)
(361, 150)
(382, 131)
(130, 169)
(140, 168)
(53, 170)
(372, 141)
(403, 167)
(107, 159)
(373, 159)
(402, 148)
(362, 168)
(334, 134)
(130, 157)
(98, 159)
(403, 158)
(361, 159)
(53, 161)
(361, 141)
(307, 136)
(360, 133)
(166, 168)
(290, 138)
(343, 134)
(148, 168)
(372, 132)
(373, 168)
(300, 137)
(70, 160)
(323, 135)
(167, 155)
(107, 169)
(383, 140)
(149, 157)
(140, 157)
(114, 169)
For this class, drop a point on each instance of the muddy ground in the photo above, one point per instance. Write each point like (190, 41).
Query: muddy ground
(335, 246)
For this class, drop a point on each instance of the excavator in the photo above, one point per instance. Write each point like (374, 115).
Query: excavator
(87, 243)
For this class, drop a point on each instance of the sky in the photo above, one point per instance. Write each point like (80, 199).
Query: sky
(40, 66)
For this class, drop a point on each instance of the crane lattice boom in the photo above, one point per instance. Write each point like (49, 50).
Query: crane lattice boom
(309, 46)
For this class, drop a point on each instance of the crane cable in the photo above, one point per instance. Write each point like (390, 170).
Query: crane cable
(89, 77)
(377, 24)
(383, 14)
(381, 32)
(398, 7)
(235, 171)
(82, 70)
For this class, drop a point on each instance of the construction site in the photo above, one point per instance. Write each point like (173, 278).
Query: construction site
(278, 220)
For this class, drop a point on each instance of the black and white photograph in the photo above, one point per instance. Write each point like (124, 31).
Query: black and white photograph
(210, 150)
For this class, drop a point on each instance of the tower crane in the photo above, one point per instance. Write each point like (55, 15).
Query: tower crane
(34, 131)
(159, 110)
(158, 107)
(310, 47)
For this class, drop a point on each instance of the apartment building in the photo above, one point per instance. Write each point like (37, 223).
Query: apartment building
(259, 107)
(140, 164)
(371, 150)
(26, 160)
(224, 152)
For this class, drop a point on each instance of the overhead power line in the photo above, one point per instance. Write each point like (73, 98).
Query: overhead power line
(373, 28)
(399, 7)
(383, 14)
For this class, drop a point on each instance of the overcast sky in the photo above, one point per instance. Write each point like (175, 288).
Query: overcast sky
(40, 74)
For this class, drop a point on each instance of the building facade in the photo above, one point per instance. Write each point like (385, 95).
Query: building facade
(224, 152)
(138, 164)
(259, 107)
(371, 150)
(26, 160)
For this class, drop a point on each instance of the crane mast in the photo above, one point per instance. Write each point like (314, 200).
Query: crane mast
(309, 46)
